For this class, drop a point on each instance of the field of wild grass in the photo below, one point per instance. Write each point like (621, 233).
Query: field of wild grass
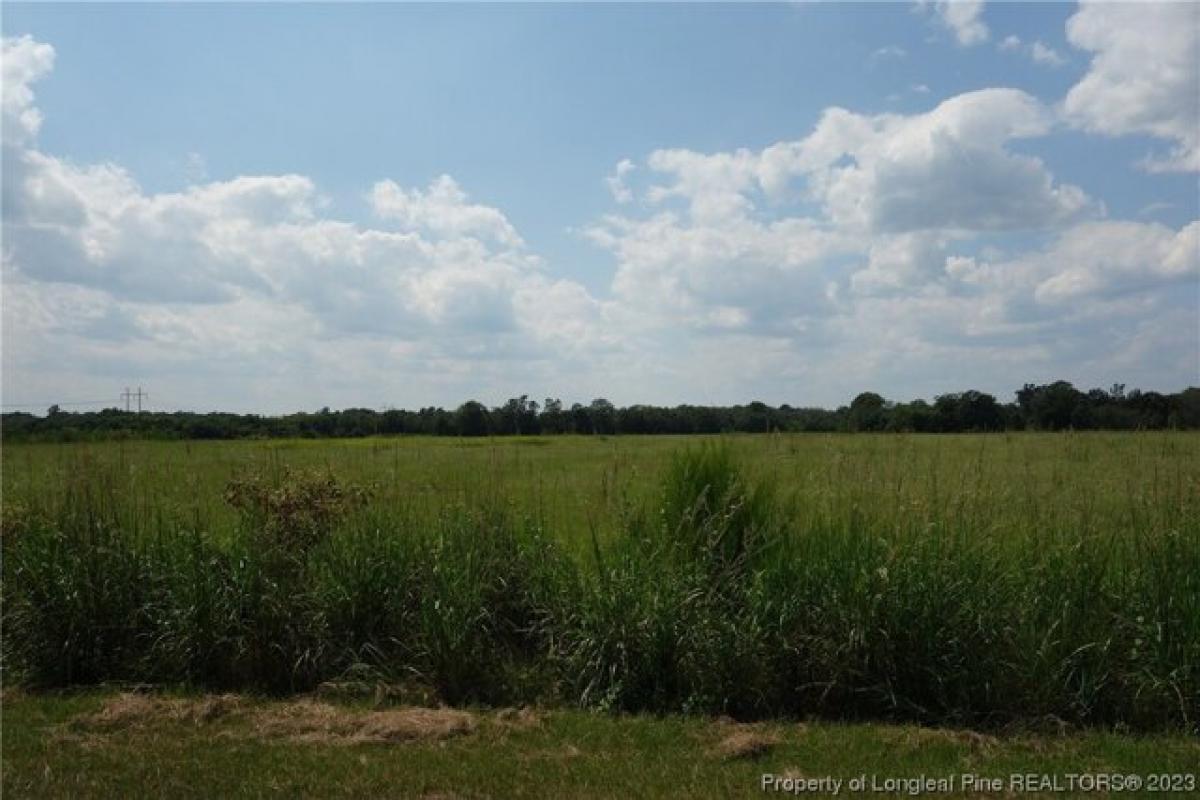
(969, 580)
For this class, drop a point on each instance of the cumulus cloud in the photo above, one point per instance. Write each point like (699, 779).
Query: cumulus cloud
(1096, 268)
(1042, 53)
(871, 250)
(616, 181)
(944, 169)
(731, 273)
(888, 195)
(866, 234)
(452, 266)
(896, 263)
(963, 19)
(24, 62)
(1038, 51)
(441, 209)
(252, 269)
(1111, 258)
(1143, 78)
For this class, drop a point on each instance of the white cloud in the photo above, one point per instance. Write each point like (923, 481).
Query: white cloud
(441, 209)
(1039, 52)
(870, 252)
(889, 51)
(884, 268)
(730, 272)
(1010, 42)
(901, 262)
(23, 62)
(1108, 258)
(890, 193)
(1088, 270)
(1153, 208)
(1144, 76)
(963, 19)
(250, 271)
(260, 236)
(616, 182)
(1042, 53)
(962, 268)
(945, 169)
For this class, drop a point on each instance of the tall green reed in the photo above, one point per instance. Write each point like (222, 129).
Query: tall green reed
(722, 594)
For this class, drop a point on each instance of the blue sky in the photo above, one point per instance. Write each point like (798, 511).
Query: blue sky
(804, 283)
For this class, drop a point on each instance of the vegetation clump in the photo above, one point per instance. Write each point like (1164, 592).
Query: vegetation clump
(297, 509)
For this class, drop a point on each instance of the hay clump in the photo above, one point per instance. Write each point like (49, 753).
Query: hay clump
(130, 710)
(306, 720)
(745, 741)
(323, 723)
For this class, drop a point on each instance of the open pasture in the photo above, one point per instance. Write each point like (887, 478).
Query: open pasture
(571, 484)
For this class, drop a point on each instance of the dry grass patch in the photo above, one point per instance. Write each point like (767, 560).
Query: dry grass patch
(328, 724)
(128, 710)
(306, 720)
(918, 737)
(744, 741)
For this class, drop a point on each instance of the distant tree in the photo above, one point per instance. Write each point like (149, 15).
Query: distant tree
(392, 421)
(581, 419)
(756, 418)
(967, 411)
(518, 415)
(866, 412)
(917, 416)
(1050, 407)
(552, 418)
(471, 419)
(603, 415)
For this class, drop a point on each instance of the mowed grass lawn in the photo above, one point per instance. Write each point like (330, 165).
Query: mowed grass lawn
(904, 554)
(68, 746)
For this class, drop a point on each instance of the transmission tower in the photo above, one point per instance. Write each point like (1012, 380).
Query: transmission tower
(139, 395)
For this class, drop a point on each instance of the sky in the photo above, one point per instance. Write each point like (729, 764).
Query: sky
(277, 207)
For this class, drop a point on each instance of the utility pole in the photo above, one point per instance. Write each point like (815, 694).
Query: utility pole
(125, 395)
(140, 395)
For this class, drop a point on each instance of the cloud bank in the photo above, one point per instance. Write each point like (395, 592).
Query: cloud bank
(923, 251)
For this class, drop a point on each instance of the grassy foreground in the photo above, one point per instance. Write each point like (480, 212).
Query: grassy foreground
(103, 745)
(963, 581)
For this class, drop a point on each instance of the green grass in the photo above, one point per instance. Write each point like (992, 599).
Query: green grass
(569, 754)
(1001, 482)
(960, 580)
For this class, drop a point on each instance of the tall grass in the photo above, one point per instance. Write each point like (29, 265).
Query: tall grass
(720, 591)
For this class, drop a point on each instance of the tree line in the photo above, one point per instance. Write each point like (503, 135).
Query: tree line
(1050, 407)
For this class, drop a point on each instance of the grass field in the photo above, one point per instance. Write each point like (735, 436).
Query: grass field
(572, 484)
(75, 746)
(998, 582)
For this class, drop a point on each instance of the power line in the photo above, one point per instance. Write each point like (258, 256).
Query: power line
(127, 396)
(61, 403)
